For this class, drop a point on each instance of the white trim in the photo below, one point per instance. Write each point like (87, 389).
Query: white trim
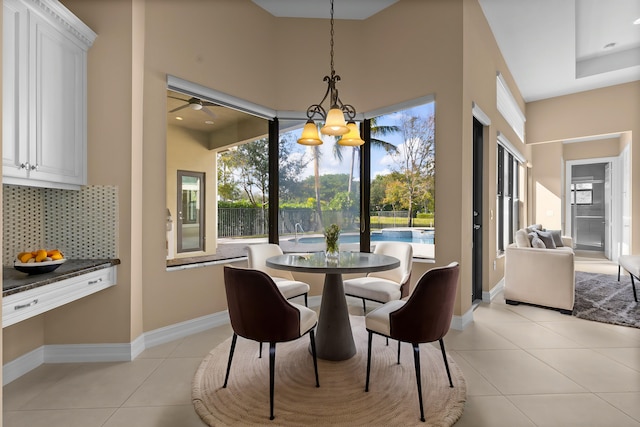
(18, 367)
(76, 353)
(184, 329)
(399, 107)
(193, 89)
(460, 322)
(489, 296)
(502, 140)
(508, 107)
(479, 114)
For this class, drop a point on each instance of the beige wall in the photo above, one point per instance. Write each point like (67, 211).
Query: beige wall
(610, 110)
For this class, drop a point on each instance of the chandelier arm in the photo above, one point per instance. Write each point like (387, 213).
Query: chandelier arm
(316, 109)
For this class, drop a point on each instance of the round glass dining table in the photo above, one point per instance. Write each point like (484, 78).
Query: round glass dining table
(334, 339)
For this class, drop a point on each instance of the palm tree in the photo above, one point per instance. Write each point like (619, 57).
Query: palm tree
(375, 143)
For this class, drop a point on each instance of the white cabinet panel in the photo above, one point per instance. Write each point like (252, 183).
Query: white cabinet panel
(45, 48)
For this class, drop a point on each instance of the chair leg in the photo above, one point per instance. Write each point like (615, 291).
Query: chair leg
(260, 355)
(366, 387)
(315, 358)
(364, 306)
(633, 286)
(272, 369)
(446, 364)
(387, 340)
(233, 347)
(416, 359)
(306, 302)
(618, 272)
(398, 352)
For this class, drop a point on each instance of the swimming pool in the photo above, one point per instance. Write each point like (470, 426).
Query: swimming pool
(409, 236)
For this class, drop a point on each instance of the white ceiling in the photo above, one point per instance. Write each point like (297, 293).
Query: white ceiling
(552, 47)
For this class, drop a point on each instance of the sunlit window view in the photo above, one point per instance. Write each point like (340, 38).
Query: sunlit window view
(403, 178)
(325, 188)
(319, 186)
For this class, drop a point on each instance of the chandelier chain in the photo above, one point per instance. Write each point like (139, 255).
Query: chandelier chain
(331, 51)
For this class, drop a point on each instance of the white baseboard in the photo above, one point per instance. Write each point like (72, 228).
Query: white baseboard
(23, 364)
(460, 322)
(184, 329)
(488, 296)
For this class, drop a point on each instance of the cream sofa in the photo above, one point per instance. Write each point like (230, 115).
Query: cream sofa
(539, 275)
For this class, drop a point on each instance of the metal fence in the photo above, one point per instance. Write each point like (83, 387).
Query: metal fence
(237, 222)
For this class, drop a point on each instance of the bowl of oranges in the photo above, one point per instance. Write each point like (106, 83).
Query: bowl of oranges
(39, 261)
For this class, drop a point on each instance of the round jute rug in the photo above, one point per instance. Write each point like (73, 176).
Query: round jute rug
(392, 399)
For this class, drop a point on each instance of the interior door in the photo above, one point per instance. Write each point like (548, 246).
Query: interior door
(477, 210)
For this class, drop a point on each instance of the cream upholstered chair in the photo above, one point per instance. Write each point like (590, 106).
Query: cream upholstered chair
(258, 311)
(290, 288)
(384, 286)
(424, 317)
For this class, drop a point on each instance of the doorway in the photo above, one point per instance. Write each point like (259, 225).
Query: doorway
(478, 141)
(590, 206)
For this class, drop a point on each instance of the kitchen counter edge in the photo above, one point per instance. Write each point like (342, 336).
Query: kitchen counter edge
(14, 281)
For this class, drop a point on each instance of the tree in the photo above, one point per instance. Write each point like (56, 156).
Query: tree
(415, 161)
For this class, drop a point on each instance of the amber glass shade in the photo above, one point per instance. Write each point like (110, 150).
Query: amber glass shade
(310, 134)
(335, 124)
(351, 139)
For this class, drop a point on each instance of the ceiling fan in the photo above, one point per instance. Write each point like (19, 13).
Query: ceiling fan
(196, 105)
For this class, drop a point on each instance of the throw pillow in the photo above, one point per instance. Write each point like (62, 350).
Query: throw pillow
(533, 227)
(547, 238)
(522, 239)
(536, 242)
(557, 237)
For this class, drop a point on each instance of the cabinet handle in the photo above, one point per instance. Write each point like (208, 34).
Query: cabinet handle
(34, 168)
(29, 304)
(93, 282)
(25, 165)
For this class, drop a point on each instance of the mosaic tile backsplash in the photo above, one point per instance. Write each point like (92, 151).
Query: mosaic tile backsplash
(82, 224)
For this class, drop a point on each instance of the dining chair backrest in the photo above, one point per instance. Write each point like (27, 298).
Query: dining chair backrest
(257, 259)
(400, 250)
(257, 309)
(427, 315)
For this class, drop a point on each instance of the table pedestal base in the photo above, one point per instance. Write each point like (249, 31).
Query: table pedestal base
(334, 339)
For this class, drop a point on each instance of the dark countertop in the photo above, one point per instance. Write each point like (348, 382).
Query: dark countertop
(14, 281)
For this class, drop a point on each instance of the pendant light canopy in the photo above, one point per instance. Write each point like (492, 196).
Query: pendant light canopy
(335, 123)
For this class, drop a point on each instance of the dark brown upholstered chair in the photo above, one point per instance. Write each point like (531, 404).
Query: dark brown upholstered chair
(259, 312)
(425, 317)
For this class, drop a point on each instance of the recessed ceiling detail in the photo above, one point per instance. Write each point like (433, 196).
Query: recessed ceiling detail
(606, 37)
(344, 9)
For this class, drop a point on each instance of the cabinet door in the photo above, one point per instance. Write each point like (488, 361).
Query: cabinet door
(57, 75)
(15, 141)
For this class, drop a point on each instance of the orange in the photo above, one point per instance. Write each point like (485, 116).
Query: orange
(25, 256)
(41, 255)
(56, 256)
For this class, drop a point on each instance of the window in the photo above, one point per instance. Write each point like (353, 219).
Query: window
(508, 193)
(582, 194)
(402, 195)
(319, 186)
(191, 211)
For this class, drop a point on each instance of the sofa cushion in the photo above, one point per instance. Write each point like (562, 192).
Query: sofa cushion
(536, 242)
(547, 238)
(522, 239)
(557, 237)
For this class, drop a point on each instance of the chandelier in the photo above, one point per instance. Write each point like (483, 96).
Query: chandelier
(334, 119)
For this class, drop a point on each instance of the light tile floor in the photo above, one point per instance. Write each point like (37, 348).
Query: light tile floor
(524, 366)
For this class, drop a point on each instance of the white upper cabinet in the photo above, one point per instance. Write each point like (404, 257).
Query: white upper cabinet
(44, 94)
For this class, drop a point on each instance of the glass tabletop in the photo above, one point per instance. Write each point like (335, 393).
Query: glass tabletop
(346, 262)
